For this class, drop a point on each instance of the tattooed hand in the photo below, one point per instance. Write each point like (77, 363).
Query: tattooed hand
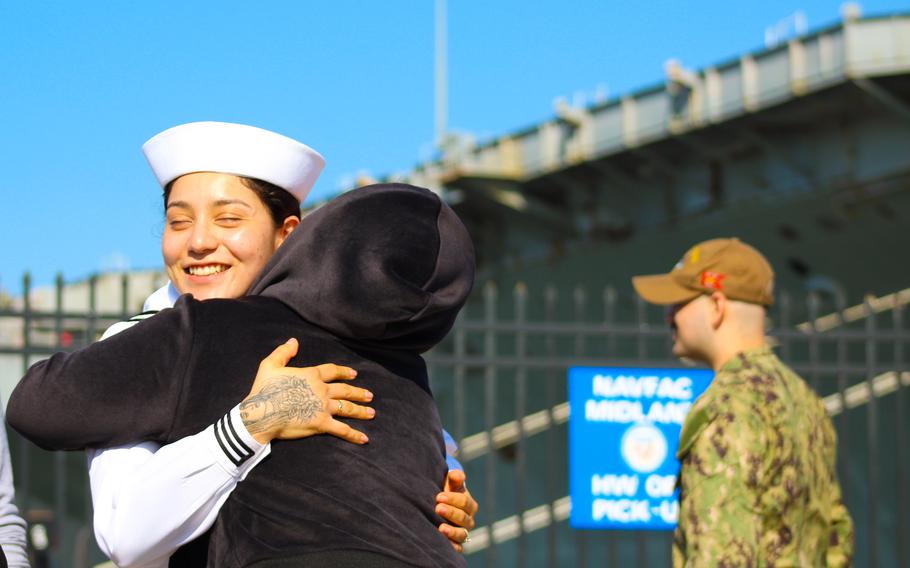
(289, 402)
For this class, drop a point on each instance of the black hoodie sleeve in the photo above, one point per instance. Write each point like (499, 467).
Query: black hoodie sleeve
(120, 390)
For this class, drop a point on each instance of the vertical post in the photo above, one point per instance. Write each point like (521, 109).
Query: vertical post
(125, 311)
(92, 326)
(642, 322)
(60, 488)
(610, 324)
(871, 436)
(521, 297)
(580, 304)
(58, 311)
(842, 421)
(642, 356)
(82, 547)
(26, 320)
(552, 395)
(897, 313)
(25, 446)
(441, 74)
(459, 377)
(784, 314)
(59, 457)
(489, 401)
(813, 302)
(610, 320)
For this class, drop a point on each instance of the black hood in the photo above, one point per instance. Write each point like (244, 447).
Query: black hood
(389, 265)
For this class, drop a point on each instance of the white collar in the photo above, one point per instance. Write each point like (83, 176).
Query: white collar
(162, 298)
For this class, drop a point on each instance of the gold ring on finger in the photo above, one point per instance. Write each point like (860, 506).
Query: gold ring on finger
(340, 406)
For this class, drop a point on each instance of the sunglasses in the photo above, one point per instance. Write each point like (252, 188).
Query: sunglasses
(671, 311)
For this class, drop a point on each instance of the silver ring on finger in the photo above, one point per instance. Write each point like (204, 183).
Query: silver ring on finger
(340, 406)
(467, 536)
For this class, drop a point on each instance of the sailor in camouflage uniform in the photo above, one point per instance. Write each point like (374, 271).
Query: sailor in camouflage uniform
(758, 485)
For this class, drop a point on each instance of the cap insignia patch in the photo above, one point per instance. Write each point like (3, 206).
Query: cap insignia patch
(713, 280)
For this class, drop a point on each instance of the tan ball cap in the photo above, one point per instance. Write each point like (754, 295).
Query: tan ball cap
(726, 265)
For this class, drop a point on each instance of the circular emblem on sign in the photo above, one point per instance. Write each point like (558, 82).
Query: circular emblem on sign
(643, 447)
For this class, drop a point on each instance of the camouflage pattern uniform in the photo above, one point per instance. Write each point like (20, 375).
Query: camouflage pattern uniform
(758, 485)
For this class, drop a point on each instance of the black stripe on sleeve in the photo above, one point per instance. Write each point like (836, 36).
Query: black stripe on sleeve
(227, 436)
(229, 441)
(223, 447)
(237, 438)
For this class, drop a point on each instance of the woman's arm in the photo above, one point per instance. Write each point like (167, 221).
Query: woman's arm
(121, 390)
(195, 475)
(151, 500)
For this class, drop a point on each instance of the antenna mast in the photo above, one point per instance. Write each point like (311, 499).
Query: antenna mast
(441, 74)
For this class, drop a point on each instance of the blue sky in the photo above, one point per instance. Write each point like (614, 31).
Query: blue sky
(84, 84)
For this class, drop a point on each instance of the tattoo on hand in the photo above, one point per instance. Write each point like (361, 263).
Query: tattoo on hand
(287, 399)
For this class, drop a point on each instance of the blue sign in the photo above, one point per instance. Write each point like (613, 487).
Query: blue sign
(624, 427)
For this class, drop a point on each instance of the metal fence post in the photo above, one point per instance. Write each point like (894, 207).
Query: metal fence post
(24, 446)
(550, 299)
(458, 394)
(871, 435)
(813, 302)
(92, 326)
(641, 551)
(897, 313)
(845, 441)
(520, 299)
(125, 297)
(784, 315)
(59, 457)
(609, 321)
(580, 299)
(489, 296)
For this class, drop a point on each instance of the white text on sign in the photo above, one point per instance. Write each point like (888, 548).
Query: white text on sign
(610, 485)
(623, 386)
(628, 411)
(634, 511)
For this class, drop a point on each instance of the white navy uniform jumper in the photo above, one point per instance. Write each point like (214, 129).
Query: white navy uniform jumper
(148, 499)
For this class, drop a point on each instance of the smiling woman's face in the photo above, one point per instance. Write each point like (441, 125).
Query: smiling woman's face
(218, 235)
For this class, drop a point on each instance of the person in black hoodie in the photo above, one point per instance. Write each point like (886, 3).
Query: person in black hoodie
(370, 280)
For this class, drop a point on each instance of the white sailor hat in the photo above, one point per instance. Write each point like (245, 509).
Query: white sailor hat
(235, 149)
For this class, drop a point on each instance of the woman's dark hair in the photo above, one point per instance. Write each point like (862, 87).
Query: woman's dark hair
(281, 204)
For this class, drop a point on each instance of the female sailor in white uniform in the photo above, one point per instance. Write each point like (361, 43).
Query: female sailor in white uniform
(232, 194)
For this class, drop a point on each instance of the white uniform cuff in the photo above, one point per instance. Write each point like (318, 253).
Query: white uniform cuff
(233, 446)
